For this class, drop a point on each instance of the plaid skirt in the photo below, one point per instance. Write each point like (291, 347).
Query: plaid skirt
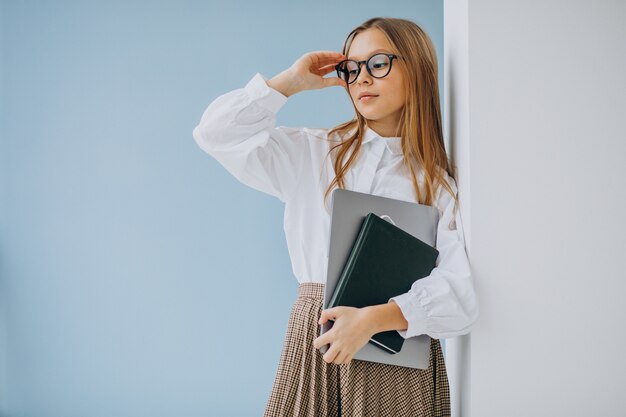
(305, 385)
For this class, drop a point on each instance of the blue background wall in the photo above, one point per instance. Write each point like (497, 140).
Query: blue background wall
(137, 277)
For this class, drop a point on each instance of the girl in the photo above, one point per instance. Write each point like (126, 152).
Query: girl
(394, 148)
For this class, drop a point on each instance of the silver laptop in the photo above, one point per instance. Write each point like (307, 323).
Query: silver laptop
(349, 208)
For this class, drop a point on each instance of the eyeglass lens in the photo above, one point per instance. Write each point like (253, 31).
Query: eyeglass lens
(379, 66)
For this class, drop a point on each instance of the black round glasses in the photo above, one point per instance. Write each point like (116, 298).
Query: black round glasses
(378, 66)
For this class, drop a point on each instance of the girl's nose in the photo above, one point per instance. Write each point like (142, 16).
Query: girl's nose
(363, 75)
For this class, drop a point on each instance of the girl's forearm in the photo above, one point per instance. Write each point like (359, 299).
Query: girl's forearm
(384, 317)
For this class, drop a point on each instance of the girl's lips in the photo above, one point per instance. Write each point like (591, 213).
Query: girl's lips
(367, 98)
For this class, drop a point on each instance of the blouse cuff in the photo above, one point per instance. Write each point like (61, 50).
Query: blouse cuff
(413, 312)
(263, 94)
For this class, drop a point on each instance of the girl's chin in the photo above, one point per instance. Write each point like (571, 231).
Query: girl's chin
(370, 116)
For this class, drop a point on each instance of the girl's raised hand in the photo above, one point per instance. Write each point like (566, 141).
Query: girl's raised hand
(308, 72)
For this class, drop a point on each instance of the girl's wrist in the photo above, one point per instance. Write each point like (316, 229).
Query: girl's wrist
(283, 84)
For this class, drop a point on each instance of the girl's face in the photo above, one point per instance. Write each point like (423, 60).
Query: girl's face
(383, 111)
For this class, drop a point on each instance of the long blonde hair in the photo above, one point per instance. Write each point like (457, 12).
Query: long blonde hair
(420, 122)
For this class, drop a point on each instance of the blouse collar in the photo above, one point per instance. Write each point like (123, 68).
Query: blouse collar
(394, 143)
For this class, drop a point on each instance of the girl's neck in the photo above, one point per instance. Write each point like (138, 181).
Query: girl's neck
(384, 129)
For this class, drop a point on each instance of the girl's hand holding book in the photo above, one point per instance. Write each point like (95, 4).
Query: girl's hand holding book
(351, 330)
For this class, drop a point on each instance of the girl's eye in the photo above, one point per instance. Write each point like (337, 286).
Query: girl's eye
(378, 65)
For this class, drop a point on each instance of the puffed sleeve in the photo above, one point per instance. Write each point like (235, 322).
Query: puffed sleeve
(443, 304)
(238, 130)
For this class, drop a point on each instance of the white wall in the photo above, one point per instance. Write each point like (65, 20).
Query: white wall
(456, 133)
(547, 98)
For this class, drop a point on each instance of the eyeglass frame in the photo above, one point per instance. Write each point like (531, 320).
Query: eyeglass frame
(359, 63)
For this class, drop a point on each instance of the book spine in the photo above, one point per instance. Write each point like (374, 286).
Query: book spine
(380, 345)
(342, 283)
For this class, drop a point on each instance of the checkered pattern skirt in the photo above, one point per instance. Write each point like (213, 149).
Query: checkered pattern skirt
(305, 385)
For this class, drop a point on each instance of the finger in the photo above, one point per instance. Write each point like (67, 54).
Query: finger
(322, 340)
(324, 69)
(323, 317)
(328, 314)
(320, 59)
(332, 81)
(320, 55)
(331, 354)
(324, 72)
(329, 60)
(327, 68)
(341, 358)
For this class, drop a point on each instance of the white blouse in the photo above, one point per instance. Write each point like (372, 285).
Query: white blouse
(239, 130)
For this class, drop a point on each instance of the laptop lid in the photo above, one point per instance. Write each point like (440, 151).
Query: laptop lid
(349, 208)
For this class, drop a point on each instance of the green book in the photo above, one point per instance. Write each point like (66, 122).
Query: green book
(384, 262)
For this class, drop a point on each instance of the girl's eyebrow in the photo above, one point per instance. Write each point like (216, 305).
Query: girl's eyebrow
(371, 53)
